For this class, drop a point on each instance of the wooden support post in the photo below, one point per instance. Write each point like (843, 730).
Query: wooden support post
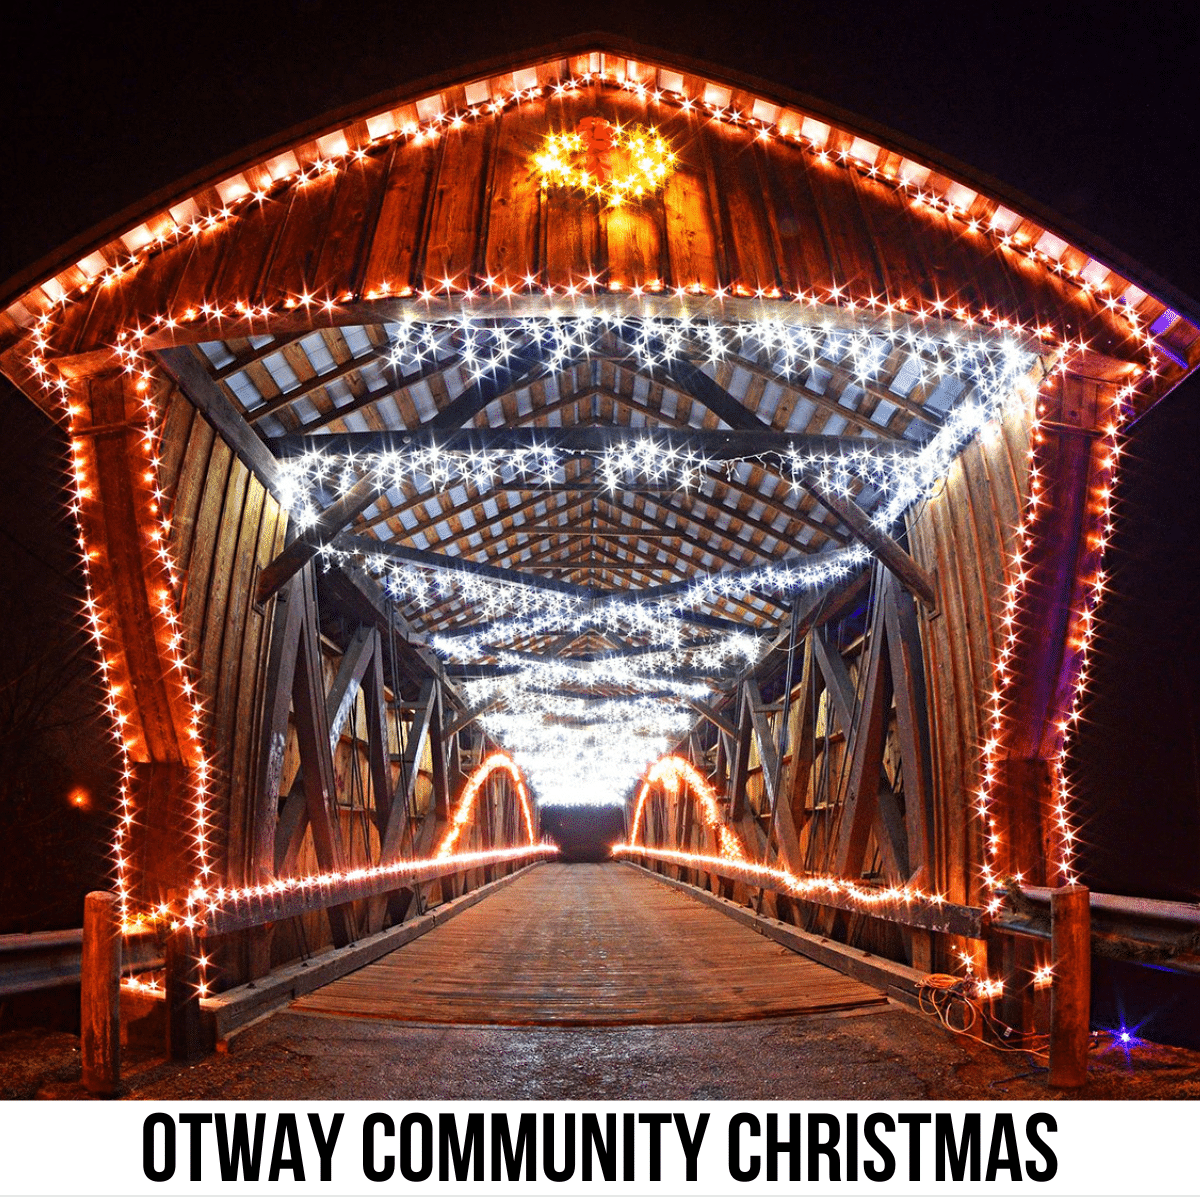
(100, 995)
(740, 765)
(184, 1041)
(1071, 993)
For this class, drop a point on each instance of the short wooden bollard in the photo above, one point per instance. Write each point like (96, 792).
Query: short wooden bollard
(1071, 990)
(183, 997)
(100, 995)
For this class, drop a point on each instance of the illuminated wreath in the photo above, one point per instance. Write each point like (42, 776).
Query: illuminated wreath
(617, 163)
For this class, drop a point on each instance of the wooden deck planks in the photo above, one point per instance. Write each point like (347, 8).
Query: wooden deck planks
(588, 944)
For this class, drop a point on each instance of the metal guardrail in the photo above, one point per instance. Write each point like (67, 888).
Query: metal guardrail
(1158, 933)
(32, 962)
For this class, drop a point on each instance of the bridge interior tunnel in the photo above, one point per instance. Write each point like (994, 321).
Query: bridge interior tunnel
(584, 834)
(592, 457)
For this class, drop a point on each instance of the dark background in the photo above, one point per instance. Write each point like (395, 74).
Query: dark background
(1092, 115)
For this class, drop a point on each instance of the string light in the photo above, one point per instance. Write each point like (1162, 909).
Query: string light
(792, 349)
(989, 368)
(673, 772)
(961, 424)
(209, 905)
(809, 134)
(1080, 634)
(498, 761)
(815, 888)
(582, 160)
(661, 619)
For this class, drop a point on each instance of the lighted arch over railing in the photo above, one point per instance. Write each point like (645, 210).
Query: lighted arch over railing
(732, 861)
(223, 909)
(674, 771)
(499, 761)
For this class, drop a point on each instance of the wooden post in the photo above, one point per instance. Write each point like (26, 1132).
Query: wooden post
(1070, 997)
(100, 995)
(183, 997)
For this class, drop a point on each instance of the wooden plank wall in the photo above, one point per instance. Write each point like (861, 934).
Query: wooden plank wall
(966, 534)
(224, 525)
(466, 205)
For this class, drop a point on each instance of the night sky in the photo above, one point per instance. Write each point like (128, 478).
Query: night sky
(1091, 116)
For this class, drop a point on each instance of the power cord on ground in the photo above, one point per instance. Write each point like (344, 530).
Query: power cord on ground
(954, 1001)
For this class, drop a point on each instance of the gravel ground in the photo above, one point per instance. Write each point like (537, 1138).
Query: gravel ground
(878, 1053)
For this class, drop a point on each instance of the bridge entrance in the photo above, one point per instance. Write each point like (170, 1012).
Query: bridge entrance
(594, 431)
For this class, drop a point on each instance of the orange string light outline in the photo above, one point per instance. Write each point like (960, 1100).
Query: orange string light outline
(497, 761)
(41, 363)
(761, 129)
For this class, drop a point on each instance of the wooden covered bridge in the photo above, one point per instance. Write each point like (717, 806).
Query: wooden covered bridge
(593, 430)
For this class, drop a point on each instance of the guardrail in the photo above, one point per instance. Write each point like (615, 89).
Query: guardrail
(1159, 933)
(33, 962)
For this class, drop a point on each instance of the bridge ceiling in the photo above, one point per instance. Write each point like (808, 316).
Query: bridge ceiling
(596, 442)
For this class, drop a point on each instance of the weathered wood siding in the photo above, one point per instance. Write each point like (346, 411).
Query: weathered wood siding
(224, 527)
(462, 206)
(966, 534)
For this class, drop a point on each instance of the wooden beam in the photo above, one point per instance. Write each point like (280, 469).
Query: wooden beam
(588, 441)
(303, 548)
(711, 715)
(338, 705)
(471, 714)
(755, 494)
(912, 721)
(339, 515)
(768, 755)
(860, 803)
(837, 679)
(712, 395)
(1071, 994)
(190, 376)
(671, 589)
(312, 736)
(887, 550)
(829, 404)
(280, 673)
(691, 546)
(358, 402)
(796, 789)
(100, 994)
(251, 911)
(739, 768)
(521, 368)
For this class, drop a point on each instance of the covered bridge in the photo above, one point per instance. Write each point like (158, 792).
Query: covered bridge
(594, 430)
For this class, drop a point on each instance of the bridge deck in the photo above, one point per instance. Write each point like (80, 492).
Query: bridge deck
(588, 944)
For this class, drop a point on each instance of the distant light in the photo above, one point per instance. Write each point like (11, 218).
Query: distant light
(80, 798)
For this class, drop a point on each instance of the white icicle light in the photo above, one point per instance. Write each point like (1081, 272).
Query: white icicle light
(575, 750)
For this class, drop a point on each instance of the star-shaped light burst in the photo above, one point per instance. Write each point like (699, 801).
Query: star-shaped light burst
(583, 729)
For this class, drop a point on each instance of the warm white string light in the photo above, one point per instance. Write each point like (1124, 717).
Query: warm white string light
(867, 307)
